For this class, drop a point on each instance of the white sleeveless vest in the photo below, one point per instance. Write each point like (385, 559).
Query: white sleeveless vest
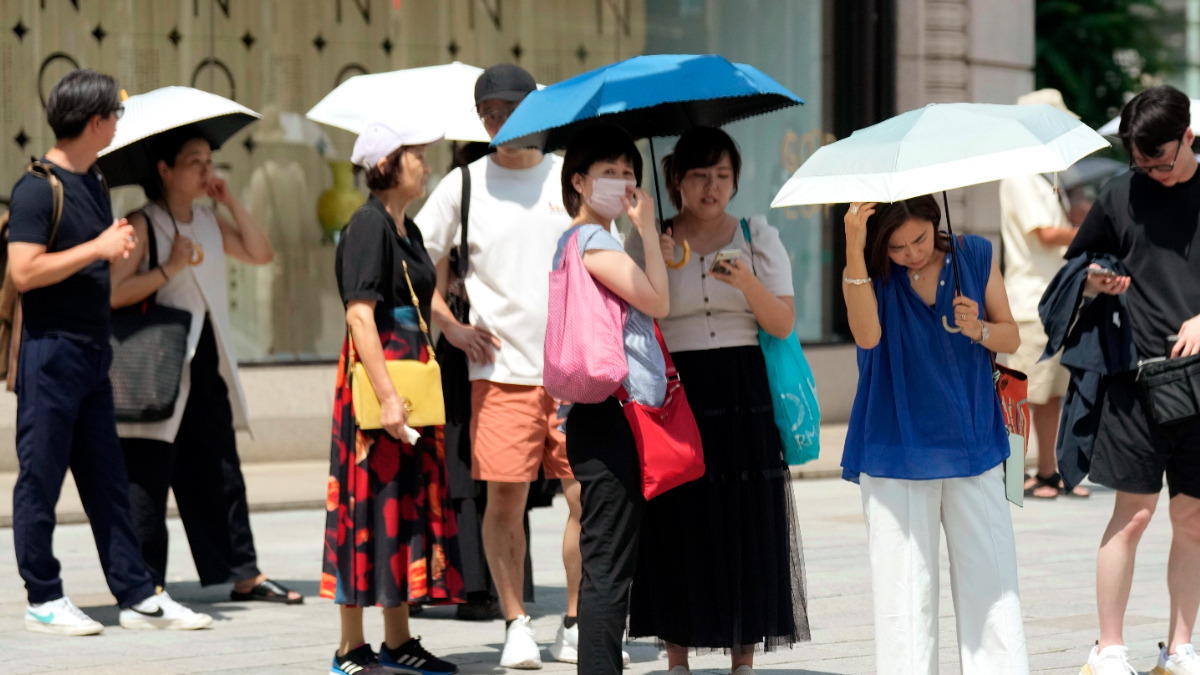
(199, 289)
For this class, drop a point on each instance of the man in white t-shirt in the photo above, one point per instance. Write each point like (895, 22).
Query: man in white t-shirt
(516, 219)
(1035, 230)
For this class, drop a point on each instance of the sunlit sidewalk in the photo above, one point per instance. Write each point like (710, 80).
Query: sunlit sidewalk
(1056, 541)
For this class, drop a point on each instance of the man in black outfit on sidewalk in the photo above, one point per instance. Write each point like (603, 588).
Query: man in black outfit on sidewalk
(65, 415)
(1150, 219)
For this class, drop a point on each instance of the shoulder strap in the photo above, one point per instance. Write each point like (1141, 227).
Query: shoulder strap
(42, 170)
(671, 373)
(750, 241)
(151, 240)
(420, 317)
(464, 260)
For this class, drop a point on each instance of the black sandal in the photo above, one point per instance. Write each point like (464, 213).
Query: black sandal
(1048, 481)
(267, 591)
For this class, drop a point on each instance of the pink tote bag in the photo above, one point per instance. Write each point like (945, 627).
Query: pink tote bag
(585, 343)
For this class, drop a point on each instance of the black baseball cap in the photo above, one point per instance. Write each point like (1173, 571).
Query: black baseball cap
(505, 82)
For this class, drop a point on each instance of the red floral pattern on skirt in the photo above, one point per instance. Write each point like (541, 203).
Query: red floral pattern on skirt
(390, 535)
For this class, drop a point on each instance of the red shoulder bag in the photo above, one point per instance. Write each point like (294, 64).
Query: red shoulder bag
(668, 440)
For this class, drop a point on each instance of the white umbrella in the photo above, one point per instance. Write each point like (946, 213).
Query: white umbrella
(447, 92)
(940, 147)
(127, 158)
(1111, 127)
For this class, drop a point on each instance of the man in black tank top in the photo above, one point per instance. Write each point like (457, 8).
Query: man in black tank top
(65, 413)
(1150, 219)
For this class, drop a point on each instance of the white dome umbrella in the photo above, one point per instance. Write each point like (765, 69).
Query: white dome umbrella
(940, 147)
(127, 159)
(1112, 126)
(446, 91)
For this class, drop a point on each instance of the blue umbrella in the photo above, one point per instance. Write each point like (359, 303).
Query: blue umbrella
(659, 95)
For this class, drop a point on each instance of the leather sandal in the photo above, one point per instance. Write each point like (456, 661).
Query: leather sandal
(267, 591)
(1043, 482)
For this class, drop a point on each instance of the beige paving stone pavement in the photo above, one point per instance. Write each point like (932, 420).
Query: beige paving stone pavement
(1056, 547)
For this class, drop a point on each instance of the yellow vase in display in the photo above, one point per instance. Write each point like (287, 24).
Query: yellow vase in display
(339, 202)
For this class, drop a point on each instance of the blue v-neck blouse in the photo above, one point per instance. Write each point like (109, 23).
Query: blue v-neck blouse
(926, 406)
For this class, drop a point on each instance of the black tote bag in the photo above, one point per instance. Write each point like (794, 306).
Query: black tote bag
(149, 344)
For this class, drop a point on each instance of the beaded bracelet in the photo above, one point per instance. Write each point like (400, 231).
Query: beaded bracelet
(856, 282)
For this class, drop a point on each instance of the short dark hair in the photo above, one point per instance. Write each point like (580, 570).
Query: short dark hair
(78, 97)
(887, 219)
(165, 147)
(601, 143)
(699, 147)
(379, 180)
(1154, 118)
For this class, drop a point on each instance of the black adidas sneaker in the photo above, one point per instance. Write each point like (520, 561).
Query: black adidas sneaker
(411, 658)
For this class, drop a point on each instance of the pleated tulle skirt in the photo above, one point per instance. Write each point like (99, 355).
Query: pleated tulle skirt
(720, 564)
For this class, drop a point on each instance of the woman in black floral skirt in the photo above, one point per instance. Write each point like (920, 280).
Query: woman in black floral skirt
(390, 534)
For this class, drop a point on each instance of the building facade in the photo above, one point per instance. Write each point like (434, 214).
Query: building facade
(854, 62)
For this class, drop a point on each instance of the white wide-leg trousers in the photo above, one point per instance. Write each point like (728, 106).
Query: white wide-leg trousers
(902, 519)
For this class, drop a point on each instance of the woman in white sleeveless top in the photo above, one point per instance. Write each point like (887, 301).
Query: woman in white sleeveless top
(194, 452)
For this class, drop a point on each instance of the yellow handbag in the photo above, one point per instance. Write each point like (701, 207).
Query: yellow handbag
(418, 384)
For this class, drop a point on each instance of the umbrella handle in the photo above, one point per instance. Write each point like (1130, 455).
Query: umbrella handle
(953, 261)
(682, 262)
(948, 327)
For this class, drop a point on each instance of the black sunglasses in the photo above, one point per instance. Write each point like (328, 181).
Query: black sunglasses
(1165, 168)
(119, 111)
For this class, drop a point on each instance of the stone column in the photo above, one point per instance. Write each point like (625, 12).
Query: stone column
(965, 50)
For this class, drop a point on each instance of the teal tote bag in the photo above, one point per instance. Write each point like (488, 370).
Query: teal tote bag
(793, 390)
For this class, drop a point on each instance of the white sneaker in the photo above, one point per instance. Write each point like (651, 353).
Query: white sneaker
(1183, 662)
(1112, 660)
(60, 617)
(743, 670)
(679, 670)
(520, 649)
(160, 612)
(566, 645)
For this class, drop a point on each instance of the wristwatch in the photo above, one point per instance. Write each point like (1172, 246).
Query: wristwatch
(984, 334)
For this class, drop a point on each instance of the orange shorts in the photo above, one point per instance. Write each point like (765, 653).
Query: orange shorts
(514, 430)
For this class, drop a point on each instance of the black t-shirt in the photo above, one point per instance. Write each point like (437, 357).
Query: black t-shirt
(1155, 231)
(79, 304)
(368, 266)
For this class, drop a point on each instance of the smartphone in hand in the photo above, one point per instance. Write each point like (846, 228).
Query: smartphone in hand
(724, 255)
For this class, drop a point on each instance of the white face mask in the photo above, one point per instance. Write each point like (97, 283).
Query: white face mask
(606, 196)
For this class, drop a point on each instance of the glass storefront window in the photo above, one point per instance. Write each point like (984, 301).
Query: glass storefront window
(783, 39)
(280, 57)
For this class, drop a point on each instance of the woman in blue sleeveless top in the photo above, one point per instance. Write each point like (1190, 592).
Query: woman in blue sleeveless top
(927, 439)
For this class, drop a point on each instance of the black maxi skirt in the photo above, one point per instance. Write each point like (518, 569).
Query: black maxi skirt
(720, 564)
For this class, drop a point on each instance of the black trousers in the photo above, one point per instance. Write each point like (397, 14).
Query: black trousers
(203, 469)
(65, 419)
(603, 456)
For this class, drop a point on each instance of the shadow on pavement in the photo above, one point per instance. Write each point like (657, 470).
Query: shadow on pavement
(109, 615)
(191, 591)
(551, 601)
